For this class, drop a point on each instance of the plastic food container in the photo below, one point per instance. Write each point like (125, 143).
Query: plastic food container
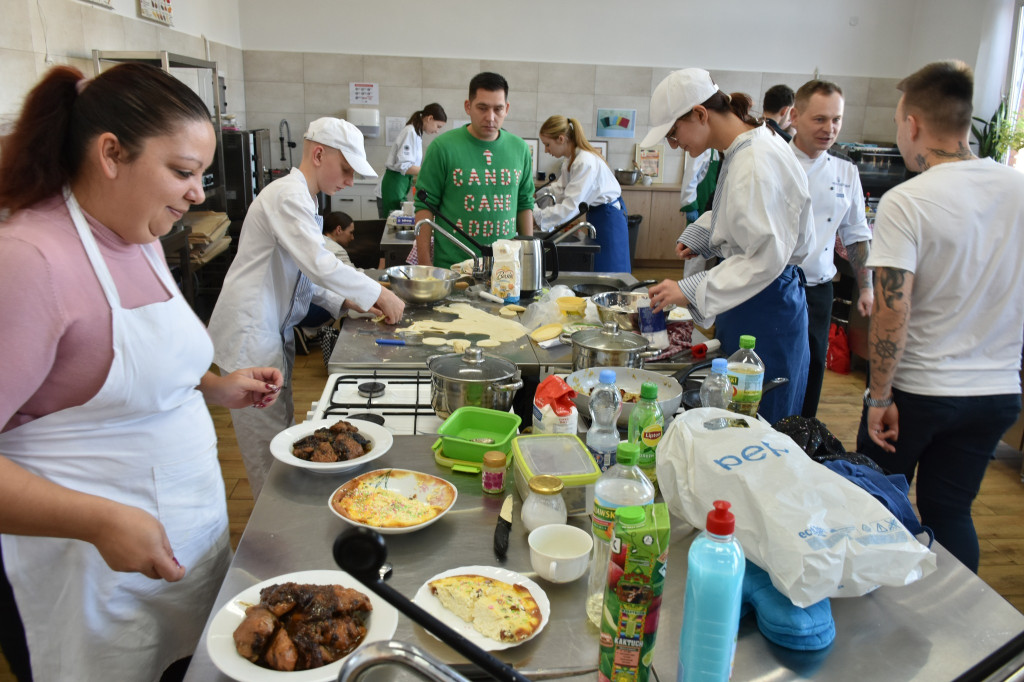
(556, 454)
(573, 307)
(471, 431)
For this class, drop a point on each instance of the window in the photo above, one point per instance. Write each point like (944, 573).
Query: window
(1016, 91)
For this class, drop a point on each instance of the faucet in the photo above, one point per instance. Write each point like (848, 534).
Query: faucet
(582, 225)
(397, 653)
(478, 261)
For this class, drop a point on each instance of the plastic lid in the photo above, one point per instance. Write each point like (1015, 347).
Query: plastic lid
(649, 390)
(558, 454)
(494, 458)
(627, 454)
(720, 365)
(607, 376)
(720, 520)
(546, 485)
(630, 515)
(747, 341)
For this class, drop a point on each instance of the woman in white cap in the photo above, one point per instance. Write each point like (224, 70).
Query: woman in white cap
(281, 266)
(585, 178)
(405, 156)
(760, 227)
(113, 518)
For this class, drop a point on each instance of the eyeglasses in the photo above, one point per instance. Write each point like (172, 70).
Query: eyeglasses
(671, 134)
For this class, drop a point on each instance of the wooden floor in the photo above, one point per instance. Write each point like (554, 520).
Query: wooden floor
(998, 510)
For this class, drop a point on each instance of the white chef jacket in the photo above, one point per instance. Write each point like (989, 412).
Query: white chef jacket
(407, 151)
(695, 169)
(339, 251)
(959, 228)
(280, 238)
(838, 204)
(589, 180)
(761, 222)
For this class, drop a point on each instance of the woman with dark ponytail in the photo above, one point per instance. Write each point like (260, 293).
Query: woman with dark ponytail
(405, 157)
(113, 525)
(760, 226)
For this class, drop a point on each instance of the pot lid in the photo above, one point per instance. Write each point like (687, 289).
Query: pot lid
(609, 338)
(472, 365)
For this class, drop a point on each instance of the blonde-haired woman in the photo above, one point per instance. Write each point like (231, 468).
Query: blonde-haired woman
(585, 177)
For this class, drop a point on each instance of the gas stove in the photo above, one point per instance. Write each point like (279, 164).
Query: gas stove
(398, 400)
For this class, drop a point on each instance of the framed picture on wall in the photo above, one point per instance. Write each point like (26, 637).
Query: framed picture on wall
(534, 144)
(602, 148)
(651, 161)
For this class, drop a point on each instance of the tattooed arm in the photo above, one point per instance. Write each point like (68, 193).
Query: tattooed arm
(858, 254)
(887, 339)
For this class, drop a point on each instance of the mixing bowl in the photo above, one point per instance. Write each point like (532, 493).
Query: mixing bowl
(626, 176)
(620, 307)
(421, 283)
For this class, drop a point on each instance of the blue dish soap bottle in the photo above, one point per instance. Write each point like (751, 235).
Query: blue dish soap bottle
(711, 610)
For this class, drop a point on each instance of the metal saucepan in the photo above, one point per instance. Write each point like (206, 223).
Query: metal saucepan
(608, 347)
(690, 383)
(592, 289)
(628, 380)
(471, 378)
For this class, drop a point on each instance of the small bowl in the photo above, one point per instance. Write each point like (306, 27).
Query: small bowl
(406, 235)
(432, 490)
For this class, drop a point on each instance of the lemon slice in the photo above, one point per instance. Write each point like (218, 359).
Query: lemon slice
(546, 333)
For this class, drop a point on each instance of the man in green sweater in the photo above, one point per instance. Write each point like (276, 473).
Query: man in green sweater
(479, 176)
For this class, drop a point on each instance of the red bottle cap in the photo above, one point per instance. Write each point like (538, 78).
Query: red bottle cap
(720, 520)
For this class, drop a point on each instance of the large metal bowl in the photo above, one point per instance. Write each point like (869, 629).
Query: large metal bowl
(620, 307)
(421, 283)
(628, 379)
(626, 176)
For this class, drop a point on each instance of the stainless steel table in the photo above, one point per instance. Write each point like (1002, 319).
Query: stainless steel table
(932, 630)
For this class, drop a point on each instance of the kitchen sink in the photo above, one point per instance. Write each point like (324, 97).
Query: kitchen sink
(407, 235)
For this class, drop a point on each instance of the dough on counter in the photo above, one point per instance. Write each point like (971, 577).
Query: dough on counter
(434, 341)
(516, 308)
(488, 343)
(460, 345)
(507, 312)
(471, 320)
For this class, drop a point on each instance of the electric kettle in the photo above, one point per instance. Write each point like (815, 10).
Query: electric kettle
(533, 262)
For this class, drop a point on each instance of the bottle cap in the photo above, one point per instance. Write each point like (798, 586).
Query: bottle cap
(720, 365)
(747, 341)
(607, 376)
(630, 515)
(494, 459)
(649, 390)
(720, 520)
(627, 454)
(546, 485)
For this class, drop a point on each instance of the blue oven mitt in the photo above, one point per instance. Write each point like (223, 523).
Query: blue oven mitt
(780, 620)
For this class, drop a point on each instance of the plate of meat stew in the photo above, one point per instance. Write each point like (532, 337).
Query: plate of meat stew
(257, 622)
(331, 445)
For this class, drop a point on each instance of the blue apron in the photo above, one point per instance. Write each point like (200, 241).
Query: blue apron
(609, 221)
(777, 317)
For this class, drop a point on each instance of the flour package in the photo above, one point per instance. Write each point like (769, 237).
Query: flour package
(506, 271)
(553, 408)
(816, 534)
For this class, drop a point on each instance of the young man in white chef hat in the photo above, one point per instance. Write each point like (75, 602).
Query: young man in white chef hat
(281, 267)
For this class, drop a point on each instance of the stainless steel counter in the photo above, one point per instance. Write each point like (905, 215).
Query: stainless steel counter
(932, 630)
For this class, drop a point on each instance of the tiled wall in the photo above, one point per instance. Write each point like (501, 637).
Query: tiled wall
(302, 87)
(34, 35)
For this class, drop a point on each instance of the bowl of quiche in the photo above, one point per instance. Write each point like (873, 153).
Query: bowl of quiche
(393, 501)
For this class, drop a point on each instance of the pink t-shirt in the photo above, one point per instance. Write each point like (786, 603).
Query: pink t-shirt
(55, 322)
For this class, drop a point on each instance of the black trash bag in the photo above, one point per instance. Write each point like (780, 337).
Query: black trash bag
(818, 442)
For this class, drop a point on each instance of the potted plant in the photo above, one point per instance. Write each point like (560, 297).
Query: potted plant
(1002, 133)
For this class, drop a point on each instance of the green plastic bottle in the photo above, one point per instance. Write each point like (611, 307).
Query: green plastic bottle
(746, 374)
(646, 425)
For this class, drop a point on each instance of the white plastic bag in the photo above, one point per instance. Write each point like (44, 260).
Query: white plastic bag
(816, 534)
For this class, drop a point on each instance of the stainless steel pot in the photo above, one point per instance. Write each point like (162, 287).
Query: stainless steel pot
(608, 347)
(471, 378)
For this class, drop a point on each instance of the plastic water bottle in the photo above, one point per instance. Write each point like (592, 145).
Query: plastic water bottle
(646, 424)
(746, 374)
(623, 485)
(716, 391)
(711, 610)
(605, 407)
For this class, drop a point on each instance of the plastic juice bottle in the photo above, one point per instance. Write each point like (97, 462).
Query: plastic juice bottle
(711, 610)
(605, 406)
(746, 374)
(622, 485)
(646, 424)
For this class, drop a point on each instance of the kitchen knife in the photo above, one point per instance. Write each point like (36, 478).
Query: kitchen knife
(501, 531)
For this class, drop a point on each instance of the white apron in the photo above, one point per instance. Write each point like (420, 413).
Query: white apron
(145, 440)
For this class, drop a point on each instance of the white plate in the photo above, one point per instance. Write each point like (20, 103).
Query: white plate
(429, 603)
(679, 315)
(281, 445)
(431, 489)
(220, 643)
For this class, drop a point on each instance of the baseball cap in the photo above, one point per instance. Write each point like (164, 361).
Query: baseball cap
(676, 96)
(346, 138)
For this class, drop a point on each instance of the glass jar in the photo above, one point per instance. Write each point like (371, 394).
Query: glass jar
(492, 472)
(544, 503)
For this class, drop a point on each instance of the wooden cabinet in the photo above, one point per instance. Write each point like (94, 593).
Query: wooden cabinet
(662, 222)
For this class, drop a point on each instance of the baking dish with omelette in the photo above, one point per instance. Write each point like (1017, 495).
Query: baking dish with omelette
(392, 501)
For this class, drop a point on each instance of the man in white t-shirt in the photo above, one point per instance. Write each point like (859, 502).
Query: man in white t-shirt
(838, 204)
(948, 322)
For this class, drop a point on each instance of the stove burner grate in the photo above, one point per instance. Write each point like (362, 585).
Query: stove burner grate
(367, 417)
(371, 389)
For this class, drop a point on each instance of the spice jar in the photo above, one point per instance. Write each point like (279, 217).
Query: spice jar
(544, 503)
(492, 473)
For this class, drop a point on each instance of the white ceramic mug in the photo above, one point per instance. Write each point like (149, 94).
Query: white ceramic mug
(560, 553)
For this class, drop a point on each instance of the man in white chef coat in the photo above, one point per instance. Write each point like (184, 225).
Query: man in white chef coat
(281, 267)
(838, 204)
(948, 320)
